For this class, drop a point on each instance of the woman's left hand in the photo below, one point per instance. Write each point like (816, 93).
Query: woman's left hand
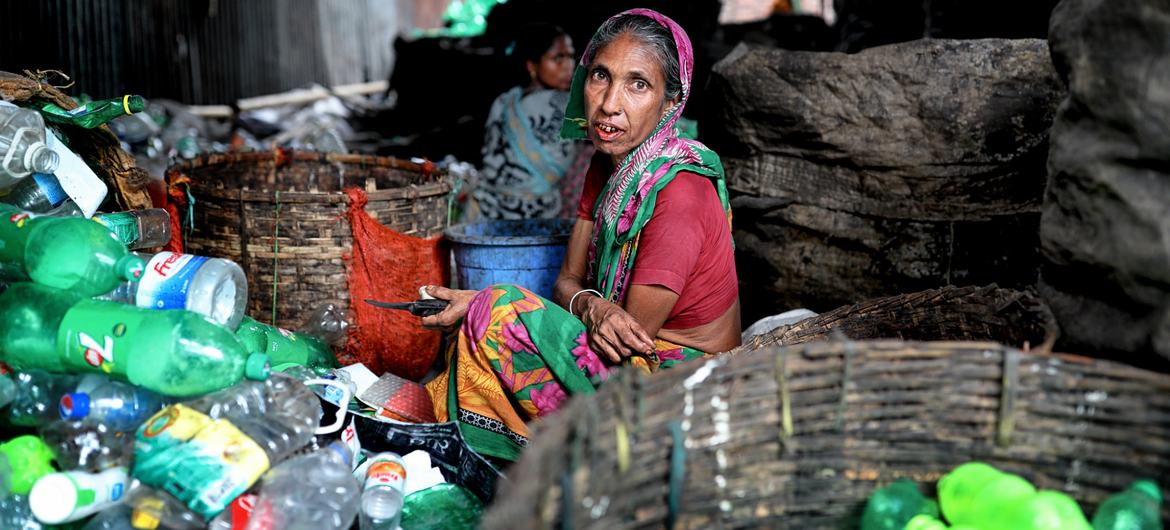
(456, 309)
(613, 332)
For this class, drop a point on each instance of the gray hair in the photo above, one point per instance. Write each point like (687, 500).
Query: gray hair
(649, 32)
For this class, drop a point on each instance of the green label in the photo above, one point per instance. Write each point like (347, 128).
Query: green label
(124, 227)
(97, 335)
(15, 226)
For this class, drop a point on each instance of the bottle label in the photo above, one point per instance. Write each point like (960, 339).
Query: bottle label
(124, 225)
(204, 463)
(51, 187)
(95, 335)
(167, 279)
(386, 473)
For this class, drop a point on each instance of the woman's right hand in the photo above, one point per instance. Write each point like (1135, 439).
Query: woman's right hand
(612, 331)
(456, 309)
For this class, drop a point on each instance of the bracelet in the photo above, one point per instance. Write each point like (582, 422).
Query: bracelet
(574, 298)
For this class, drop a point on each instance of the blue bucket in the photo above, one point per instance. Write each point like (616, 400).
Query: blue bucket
(527, 253)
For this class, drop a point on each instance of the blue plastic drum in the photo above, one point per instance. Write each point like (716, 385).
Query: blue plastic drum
(527, 253)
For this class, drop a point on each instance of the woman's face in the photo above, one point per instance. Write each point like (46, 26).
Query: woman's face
(624, 96)
(555, 69)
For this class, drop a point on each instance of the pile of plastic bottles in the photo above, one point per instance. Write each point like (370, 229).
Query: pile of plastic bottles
(977, 496)
(135, 392)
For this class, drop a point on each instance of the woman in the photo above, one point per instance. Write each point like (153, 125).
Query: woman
(649, 275)
(528, 170)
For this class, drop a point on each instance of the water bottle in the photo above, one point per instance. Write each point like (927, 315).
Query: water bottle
(215, 288)
(892, 507)
(34, 396)
(119, 406)
(27, 459)
(328, 323)
(283, 346)
(40, 193)
(382, 495)
(87, 445)
(208, 451)
(67, 253)
(66, 497)
(93, 113)
(138, 229)
(1139, 507)
(23, 148)
(316, 491)
(15, 514)
(174, 353)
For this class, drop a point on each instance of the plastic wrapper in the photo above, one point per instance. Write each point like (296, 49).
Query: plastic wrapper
(441, 507)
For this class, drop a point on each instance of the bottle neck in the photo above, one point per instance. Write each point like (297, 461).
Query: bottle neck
(41, 159)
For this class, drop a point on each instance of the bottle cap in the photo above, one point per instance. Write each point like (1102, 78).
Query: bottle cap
(257, 368)
(1148, 487)
(74, 406)
(130, 267)
(53, 498)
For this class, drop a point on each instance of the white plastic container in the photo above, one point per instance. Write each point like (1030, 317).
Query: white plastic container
(64, 497)
(213, 287)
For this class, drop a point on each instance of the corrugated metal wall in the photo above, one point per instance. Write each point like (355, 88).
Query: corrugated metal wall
(200, 51)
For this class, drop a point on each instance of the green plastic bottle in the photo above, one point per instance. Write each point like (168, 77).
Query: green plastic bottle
(1139, 507)
(172, 352)
(891, 507)
(70, 253)
(982, 497)
(28, 459)
(93, 113)
(283, 346)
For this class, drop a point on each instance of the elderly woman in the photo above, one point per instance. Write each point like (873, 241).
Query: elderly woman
(649, 275)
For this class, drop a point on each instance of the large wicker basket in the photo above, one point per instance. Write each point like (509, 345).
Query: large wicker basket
(281, 216)
(799, 437)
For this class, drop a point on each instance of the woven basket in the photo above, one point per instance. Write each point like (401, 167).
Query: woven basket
(281, 215)
(800, 437)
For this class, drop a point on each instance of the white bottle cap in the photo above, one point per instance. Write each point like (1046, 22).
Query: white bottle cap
(53, 498)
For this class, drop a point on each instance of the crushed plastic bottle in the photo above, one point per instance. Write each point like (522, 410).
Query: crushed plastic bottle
(316, 491)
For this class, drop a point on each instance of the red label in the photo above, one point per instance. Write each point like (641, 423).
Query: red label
(242, 511)
(386, 472)
(164, 266)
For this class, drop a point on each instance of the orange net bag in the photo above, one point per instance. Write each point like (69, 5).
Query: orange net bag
(389, 266)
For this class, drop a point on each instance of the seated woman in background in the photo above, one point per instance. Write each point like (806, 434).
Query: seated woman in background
(649, 274)
(529, 171)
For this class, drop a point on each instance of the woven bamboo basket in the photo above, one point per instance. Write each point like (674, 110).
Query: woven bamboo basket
(799, 437)
(282, 217)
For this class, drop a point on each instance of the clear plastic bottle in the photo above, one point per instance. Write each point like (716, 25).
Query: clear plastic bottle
(39, 193)
(15, 514)
(382, 495)
(7, 387)
(213, 287)
(328, 323)
(120, 406)
(23, 148)
(138, 229)
(316, 491)
(73, 495)
(36, 395)
(261, 422)
(87, 445)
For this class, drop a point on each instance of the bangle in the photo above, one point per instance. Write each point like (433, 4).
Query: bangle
(574, 298)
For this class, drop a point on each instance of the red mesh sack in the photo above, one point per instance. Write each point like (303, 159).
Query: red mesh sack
(389, 266)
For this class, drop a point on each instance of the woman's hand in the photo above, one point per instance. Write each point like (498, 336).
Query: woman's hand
(455, 311)
(612, 331)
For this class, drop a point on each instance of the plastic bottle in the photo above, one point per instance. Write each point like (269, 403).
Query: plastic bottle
(283, 346)
(203, 463)
(7, 387)
(980, 496)
(28, 459)
(15, 514)
(1139, 507)
(119, 406)
(215, 288)
(328, 323)
(23, 148)
(67, 253)
(86, 445)
(382, 495)
(316, 491)
(33, 397)
(891, 507)
(138, 229)
(93, 114)
(39, 193)
(174, 353)
(66, 497)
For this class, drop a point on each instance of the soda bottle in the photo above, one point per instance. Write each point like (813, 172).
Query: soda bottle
(23, 147)
(1139, 507)
(65, 497)
(15, 514)
(67, 253)
(119, 406)
(138, 229)
(328, 323)
(215, 288)
(283, 346)
(891, 507)
(316, 491)
(40, 193)
(382, 495)
(93, 113)
(976, 490)
(87, 445)
(27, 459)
(174, 353)
(237, 516)
(206, 452)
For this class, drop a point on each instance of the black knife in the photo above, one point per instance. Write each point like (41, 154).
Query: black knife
(418, 308)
